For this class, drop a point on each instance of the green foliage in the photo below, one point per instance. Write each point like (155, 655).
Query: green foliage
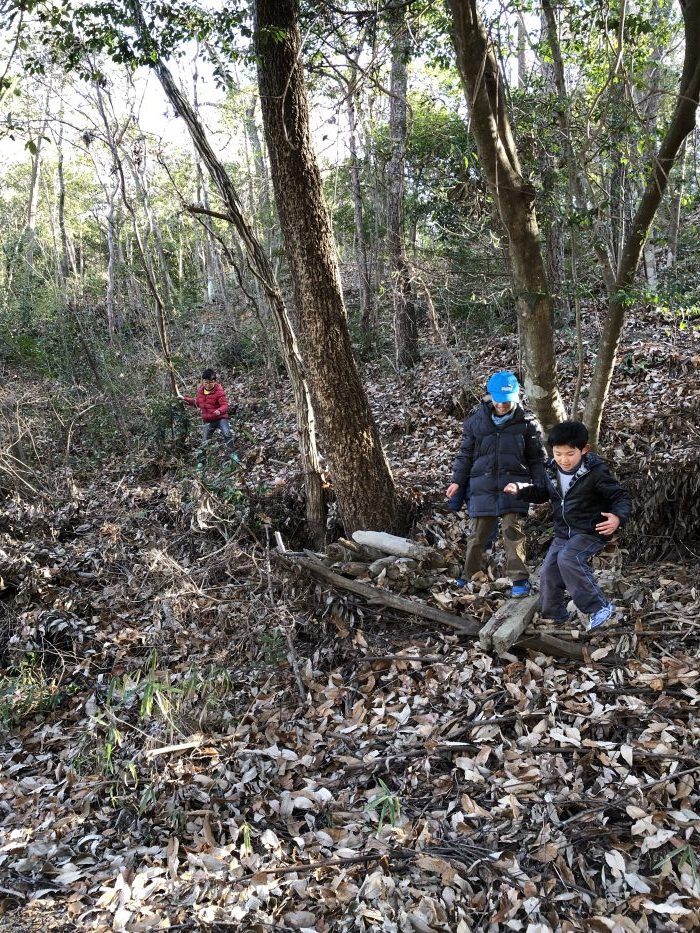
(387, 804)
(216, 471)
(168, 420)
(31, 691)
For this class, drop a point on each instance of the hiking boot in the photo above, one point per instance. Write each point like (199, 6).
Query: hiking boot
(520, 588)
(600, 617)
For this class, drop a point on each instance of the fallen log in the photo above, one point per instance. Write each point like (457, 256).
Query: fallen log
(376, 596)
(508, 623)
(545, 643)
(401, 547)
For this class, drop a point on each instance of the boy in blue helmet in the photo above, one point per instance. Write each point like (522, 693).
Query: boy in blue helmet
(589, 505)
(501, 444)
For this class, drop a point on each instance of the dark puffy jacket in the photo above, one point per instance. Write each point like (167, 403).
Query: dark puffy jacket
(593, 490)
(210, 402)
(491, 457)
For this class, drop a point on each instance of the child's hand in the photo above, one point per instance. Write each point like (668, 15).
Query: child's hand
(451, 490)
(218, 411)
(609, 526)
(511, 489)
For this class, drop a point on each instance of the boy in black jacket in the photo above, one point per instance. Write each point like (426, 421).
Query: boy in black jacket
(589, 505)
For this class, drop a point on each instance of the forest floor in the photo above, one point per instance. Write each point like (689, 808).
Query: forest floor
(197, 736)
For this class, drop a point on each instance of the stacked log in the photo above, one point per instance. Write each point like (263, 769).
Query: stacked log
(389, 561)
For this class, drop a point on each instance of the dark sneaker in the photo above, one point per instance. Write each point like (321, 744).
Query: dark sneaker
(600, 617)
(520, 588)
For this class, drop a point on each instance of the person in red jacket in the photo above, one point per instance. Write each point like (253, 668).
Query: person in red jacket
(213, 405)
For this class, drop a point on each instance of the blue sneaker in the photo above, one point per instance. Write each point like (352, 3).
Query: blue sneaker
(520, 588)
(600, 617)
(459, 583)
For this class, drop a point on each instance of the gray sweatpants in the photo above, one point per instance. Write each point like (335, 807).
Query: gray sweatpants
(567, 568)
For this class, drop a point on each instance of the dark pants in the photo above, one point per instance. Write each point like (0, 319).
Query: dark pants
(567, 568)
(209, 427)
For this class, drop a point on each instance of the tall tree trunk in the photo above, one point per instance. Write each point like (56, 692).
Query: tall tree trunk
(407, 353)
(118, 169)
(522, 46)
(551, 185)
(674, 221)
(490, 125)
(360, 243)
(29, 236)
(363, 482)
(261, 268)
(68, 266)
(578, 182)
(682, 123)
(212, 268)
(112, 263)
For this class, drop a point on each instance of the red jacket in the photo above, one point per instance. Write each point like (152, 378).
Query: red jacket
(209, 403)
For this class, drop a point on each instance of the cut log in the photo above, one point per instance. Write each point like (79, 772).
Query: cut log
(401, 547)
(509, 621)
(511, 629)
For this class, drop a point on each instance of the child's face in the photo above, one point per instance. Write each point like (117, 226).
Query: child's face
(502, 408)
(568, 458)
(208, 384)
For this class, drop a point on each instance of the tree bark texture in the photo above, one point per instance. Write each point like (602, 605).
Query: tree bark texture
(360, 244)
(490, 125)
(261, 268)
(363, 482)
(682, 123)
(407, 353)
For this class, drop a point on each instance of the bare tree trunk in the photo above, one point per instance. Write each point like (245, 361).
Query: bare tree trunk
(112, 237)
(366, 305)
(407, 353)
(363, 482)
(261, 268)
(555, 230)
(67, 252)
(522, 46)
(161, 314)
(29, 236)
(490, 125)
(578, 182)
(682, 123)
(674, 222)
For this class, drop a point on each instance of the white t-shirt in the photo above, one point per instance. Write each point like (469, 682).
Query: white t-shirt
(565, 480)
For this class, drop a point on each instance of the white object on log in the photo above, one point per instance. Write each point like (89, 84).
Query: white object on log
(392, 544)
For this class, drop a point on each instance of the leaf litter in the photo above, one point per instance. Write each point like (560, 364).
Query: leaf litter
(197, 737)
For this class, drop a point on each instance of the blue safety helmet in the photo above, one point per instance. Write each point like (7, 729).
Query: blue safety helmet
(503, 387)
